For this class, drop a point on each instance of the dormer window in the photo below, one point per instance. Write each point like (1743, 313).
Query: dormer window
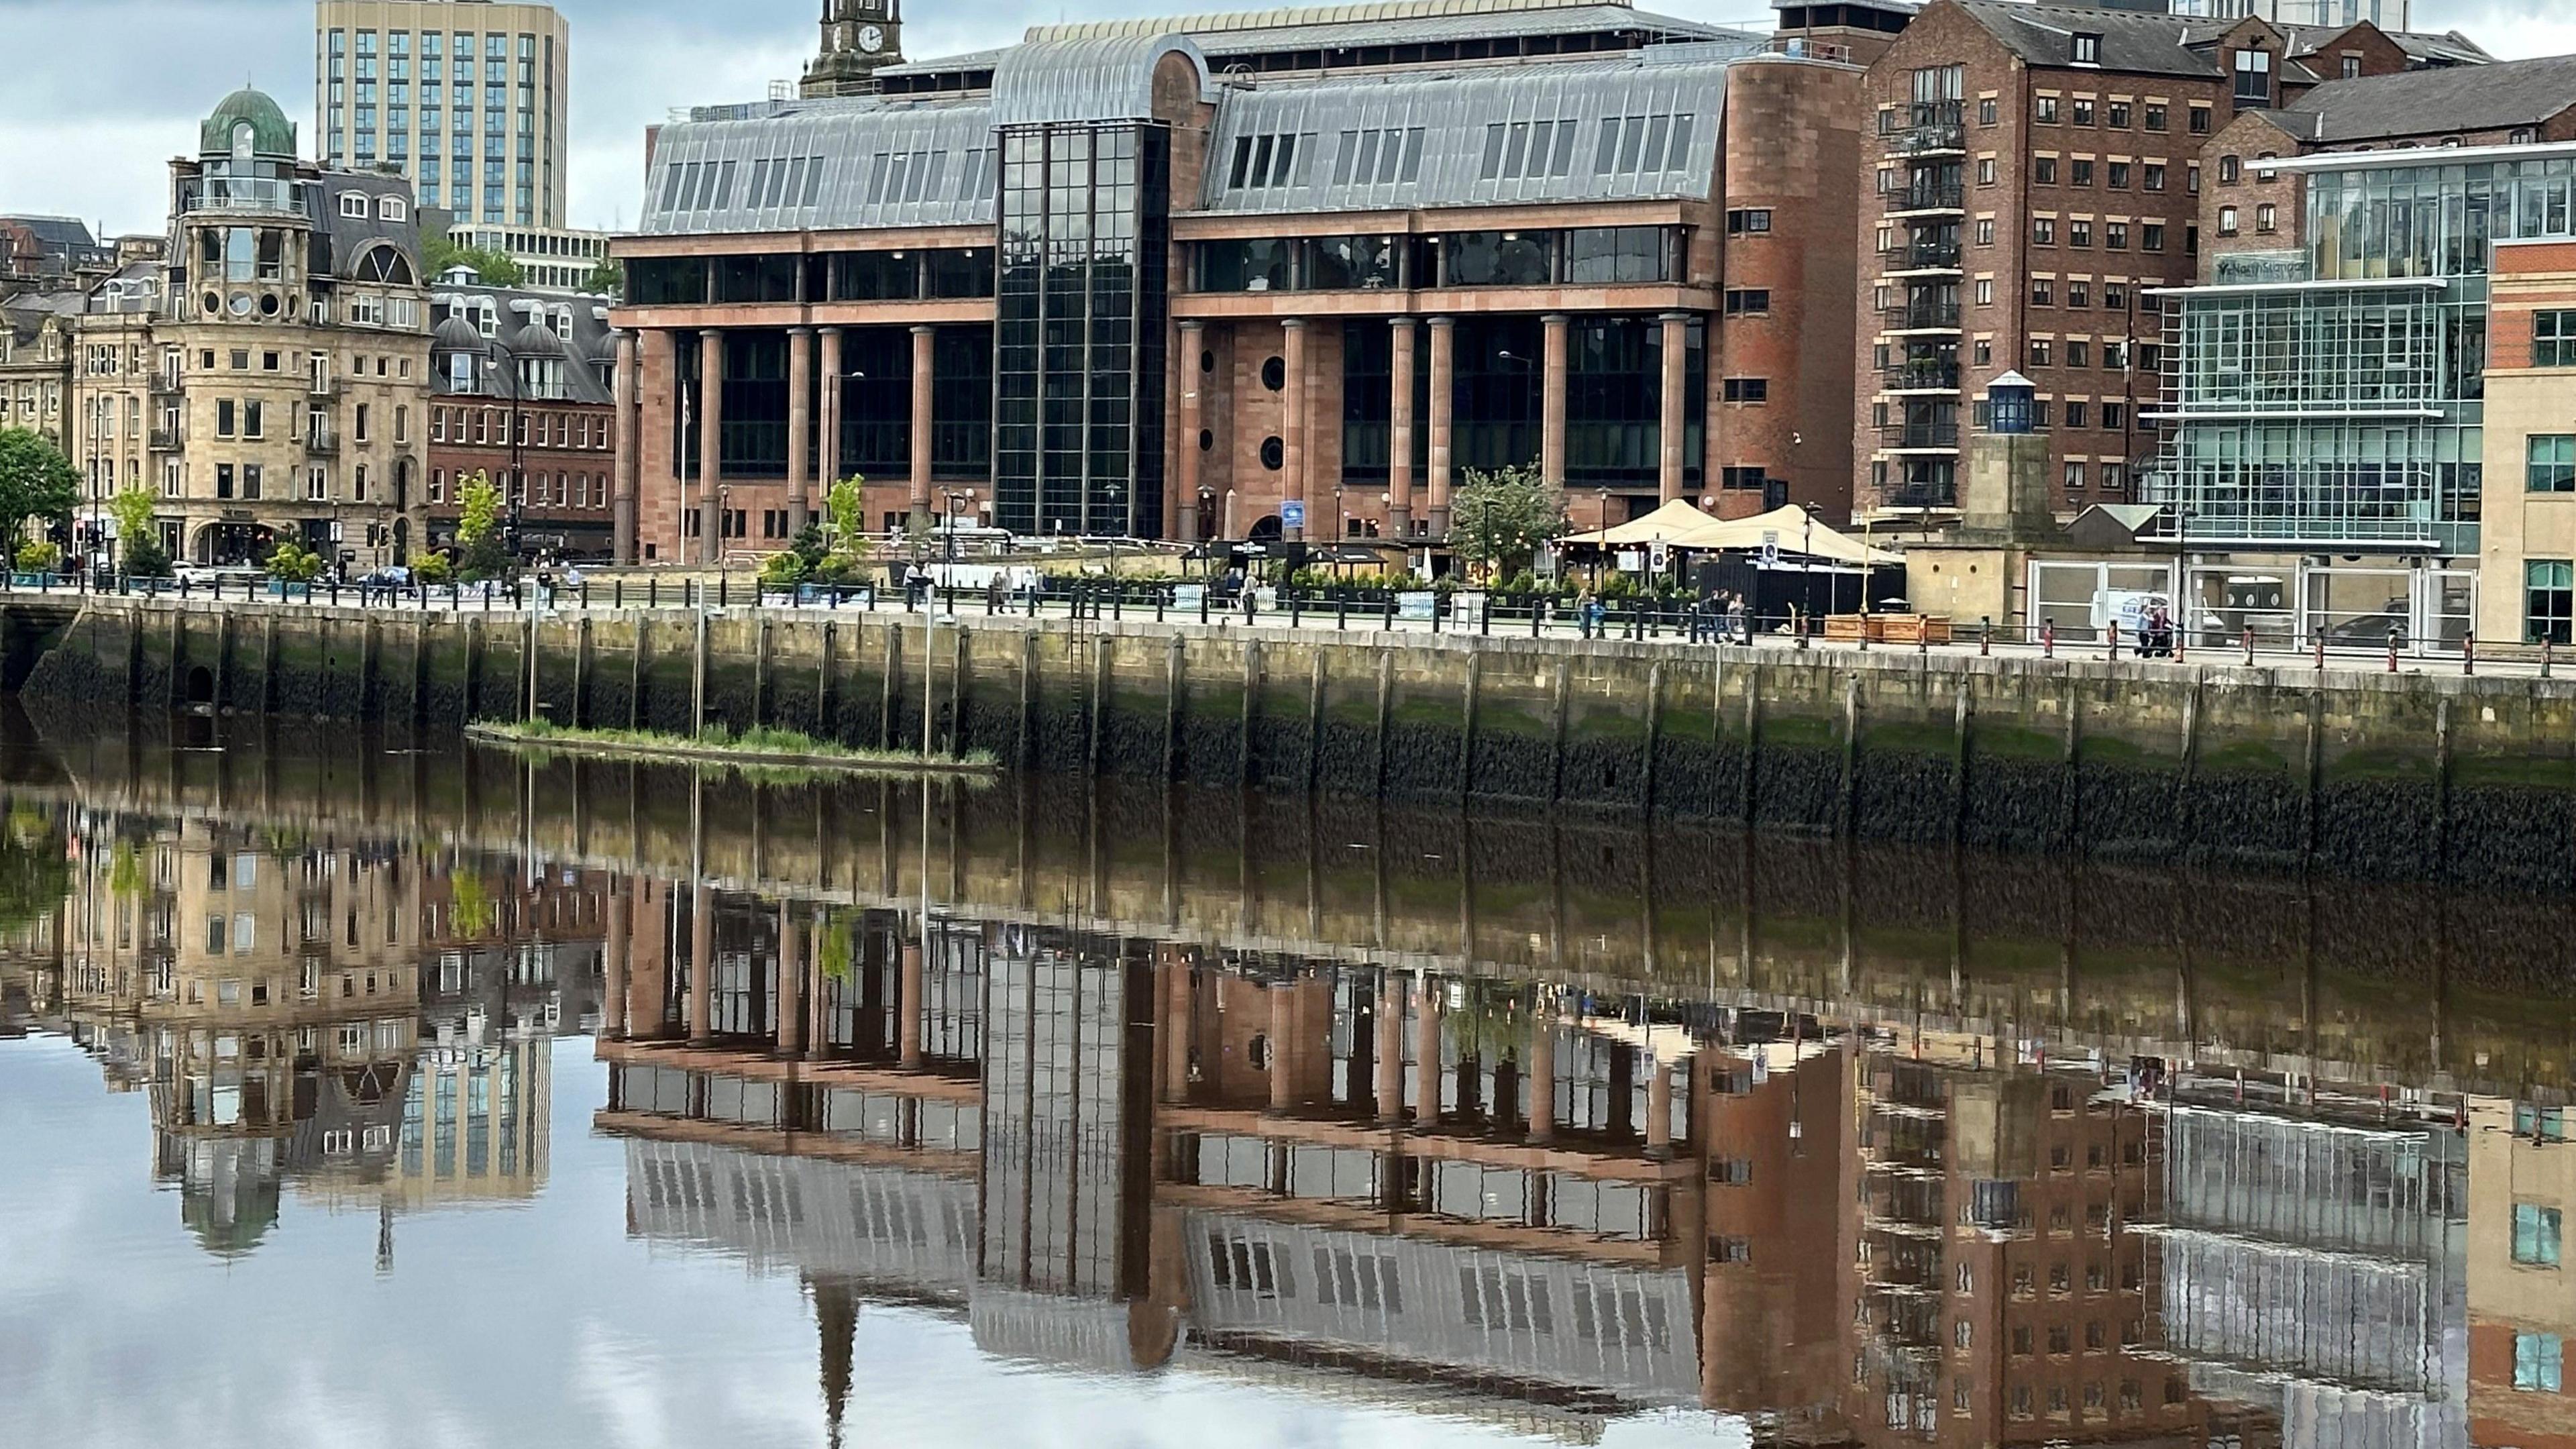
(2524, 136)
(353, 204)
(2088, 49)
(391, 208)
(2254, 77)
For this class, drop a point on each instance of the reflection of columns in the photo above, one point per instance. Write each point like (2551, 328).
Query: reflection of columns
(647, 992)
(1292, 432)
(1399, 434)
(800, 425)
(1283, 1034)
(1388, 1042)
(1659, 1106)
(907, 1026)
(1193, 419)
(1552, 368)
(630, 430)
(710, 446)
(1172, 985)
(613, 988)
(702, 962)
(791, 980)
(1542, 1077)
(1668, 425)
(1426, 1055)
(1444, 351)
(921, 362)
(829, 463)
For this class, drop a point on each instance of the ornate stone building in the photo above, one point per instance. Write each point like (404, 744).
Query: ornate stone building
(274, 384)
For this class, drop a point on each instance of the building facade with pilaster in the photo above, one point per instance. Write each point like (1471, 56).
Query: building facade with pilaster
(1282, 276)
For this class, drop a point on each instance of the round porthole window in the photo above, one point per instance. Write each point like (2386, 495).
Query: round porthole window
(214, 302)
(1207, 362)
(1274, 454)
(1274, 374)
(1207, 439)
(268, 305)
(241, 304)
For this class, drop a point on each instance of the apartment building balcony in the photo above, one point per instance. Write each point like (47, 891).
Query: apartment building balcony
(1921, 495)
(1920, 435)
(322, 442)
(163, 385)
(1928, 128)
(1920, 256)
(164, 440)
(1926, 198)
(1923, 314)
(325, 387)
(249, 195)
(1930, 377)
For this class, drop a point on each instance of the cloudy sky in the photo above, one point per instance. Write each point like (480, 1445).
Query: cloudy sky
(99, 93)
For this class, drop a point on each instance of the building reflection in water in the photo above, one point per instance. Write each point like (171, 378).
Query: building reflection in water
(2165, 1201)
(362, 1024)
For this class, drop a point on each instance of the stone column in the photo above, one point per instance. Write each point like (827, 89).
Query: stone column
(828, 462)
(1399, 434)
(907, 1027)
(1426, 1055)
(791, 981)
(1193, 419)
(1387, 1041)
(1552, 370)
(1283, 1035)
(921, 361)
(1542, 1077)
(1668, 424)
(630, 433)
(1292, 423)
(1444, 340)
(1659, 1107)
(702, 963)
(800, 425)
(710, 446)
(613, 987)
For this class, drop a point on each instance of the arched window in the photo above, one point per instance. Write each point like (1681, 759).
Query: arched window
(242, 142)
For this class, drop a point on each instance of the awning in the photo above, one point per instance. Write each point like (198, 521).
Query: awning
(1665, 524)
(1791, 528)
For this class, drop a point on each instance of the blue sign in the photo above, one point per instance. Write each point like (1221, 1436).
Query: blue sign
(1292, 514)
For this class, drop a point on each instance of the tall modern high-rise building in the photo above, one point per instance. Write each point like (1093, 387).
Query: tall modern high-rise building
(468, 98)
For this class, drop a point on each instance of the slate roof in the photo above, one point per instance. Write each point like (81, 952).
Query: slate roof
(2495, 96)
(2133, 42)
(453, 331)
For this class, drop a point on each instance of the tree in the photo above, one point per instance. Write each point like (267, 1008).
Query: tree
(138, 537)
(608, 279)
(36, 482)
(478, 529)
(293, 563)
(438, 253)
(1501, 518)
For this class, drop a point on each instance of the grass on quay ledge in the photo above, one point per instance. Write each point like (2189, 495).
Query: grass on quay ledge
(760, 744)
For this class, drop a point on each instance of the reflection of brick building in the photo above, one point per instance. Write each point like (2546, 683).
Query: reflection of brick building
(2522, 1310)
(2003, 1291)
(520, 391)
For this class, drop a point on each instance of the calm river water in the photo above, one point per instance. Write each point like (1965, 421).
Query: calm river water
(355, 1097)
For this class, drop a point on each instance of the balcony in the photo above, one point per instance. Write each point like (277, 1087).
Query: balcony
(1928, 128)
(1921, 377)
(1923, 314)
(164, 440)
(1926, 196)
(1920, 435)
(1921, 495)
(325, 387)
(249, 195)
(163, 385)
(322, 442)
(1921, 256)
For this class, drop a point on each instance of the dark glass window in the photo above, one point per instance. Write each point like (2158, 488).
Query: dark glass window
(666, 281)
(756, 279)
(873, 276)
(876, 403)
(1495, 389)
(961, 400)
(1619, 254)
(1258, 264)
(1350, 263)
(754, 440)
(1498, 258)
(962, 272)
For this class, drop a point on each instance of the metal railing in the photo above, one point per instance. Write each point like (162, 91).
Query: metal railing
(1927, 126)
(1927, 196)
(1921, 376)
(1920, 433)
(322, 442)
(1923, 312)
(242, 194)
(165, 440)
(1913, 254)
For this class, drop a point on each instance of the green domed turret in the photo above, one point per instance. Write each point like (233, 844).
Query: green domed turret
(272, 136)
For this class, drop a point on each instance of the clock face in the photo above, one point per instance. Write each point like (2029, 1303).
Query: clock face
(871, 38)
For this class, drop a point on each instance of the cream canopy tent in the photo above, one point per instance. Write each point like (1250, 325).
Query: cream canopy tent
(1667, 524)
(1794, 533)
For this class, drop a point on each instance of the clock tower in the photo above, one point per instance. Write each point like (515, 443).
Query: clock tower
(858, 36)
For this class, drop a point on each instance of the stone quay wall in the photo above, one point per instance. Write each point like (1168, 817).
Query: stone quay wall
(2406, 776)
